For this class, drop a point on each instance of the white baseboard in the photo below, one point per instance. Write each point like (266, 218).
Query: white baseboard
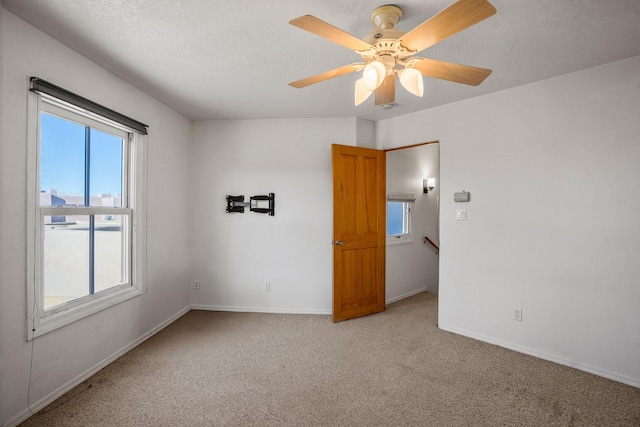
(541, 355)
(239, 309)
(33, 408)
(407, 295)
(260, 309)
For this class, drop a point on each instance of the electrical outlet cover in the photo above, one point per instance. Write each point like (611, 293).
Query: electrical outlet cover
(517, 314)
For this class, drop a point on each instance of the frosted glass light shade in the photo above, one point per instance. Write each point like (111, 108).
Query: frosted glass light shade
(428, 184)
(411, 80)
(362, 93)
(373, 75)
(431, 183)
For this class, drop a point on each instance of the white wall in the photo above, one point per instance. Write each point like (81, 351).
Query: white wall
(234, 255)
(554, 174)
(63, 357)
(365, 133)
(413, 267)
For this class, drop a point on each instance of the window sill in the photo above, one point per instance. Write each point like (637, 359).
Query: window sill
(399, 240)
(57, 320)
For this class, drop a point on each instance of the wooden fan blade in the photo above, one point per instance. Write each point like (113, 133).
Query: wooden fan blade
(320, 28)
(337, 72)
(452, 20)
(386, 92)
(453, 72)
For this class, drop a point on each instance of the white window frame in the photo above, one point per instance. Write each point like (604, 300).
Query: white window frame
(39, 320)
(407, 199)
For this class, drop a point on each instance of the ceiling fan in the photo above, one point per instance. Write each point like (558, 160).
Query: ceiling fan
(387, 51)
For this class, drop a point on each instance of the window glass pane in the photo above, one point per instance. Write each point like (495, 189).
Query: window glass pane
(61, 162)
(66, 259)
(109, 254)
(395, 216)
(106, 169)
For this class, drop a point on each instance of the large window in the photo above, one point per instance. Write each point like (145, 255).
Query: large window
(87, 223)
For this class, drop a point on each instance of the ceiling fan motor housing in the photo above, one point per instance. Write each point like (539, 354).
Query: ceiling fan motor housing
(386, 48)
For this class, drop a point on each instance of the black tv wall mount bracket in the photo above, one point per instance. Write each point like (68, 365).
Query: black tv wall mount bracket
(258, 204)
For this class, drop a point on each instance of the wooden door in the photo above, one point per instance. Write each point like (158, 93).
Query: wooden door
(359, 231)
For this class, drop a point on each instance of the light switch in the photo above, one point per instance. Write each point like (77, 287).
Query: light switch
(461, 214)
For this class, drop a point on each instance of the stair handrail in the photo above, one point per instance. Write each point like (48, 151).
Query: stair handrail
(428, 240)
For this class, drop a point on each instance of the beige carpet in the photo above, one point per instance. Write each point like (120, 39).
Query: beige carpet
(392, 369)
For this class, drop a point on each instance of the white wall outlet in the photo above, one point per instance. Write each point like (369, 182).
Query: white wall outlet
(267, 287)
(196, 284)
(517, 314)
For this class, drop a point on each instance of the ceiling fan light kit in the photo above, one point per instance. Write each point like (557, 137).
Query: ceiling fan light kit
(411, 80)
(362, 93)
(387, 51)
(373, 75)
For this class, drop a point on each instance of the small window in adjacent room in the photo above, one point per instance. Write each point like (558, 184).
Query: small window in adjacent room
(399, 218)
(87, 221)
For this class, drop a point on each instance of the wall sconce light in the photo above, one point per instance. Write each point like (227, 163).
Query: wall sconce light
(428, 184)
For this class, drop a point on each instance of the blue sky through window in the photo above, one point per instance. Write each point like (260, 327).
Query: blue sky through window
(394, 217)
(62, 158)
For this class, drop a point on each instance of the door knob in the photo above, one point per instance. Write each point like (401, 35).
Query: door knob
(338, 242)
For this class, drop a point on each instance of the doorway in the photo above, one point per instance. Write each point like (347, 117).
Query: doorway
(412, 263)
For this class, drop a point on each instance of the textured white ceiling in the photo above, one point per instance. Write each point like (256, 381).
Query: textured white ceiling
(211, 59)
